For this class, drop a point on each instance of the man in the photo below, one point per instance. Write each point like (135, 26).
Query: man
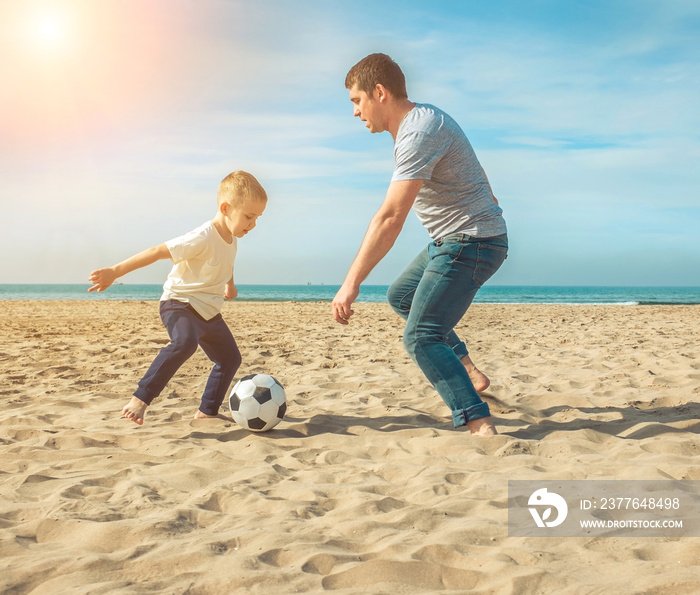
(438, 175)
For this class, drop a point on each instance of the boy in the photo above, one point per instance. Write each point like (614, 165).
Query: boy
(190, 306)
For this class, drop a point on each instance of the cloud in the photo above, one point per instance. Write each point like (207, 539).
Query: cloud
(585, 126)
(531, 82)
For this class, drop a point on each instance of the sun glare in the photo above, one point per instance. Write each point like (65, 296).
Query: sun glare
(50, 31)
(75, 69)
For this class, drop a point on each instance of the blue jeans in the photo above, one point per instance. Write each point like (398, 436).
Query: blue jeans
(188, 330)
(432, 295)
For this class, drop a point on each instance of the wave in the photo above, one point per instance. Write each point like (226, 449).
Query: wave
(520, 295)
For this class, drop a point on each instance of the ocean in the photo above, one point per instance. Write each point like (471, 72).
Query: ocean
(494, 294)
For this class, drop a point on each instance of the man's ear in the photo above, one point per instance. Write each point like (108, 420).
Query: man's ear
(380, 92)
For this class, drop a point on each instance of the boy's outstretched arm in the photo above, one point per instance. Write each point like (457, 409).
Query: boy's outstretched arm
(101, 279)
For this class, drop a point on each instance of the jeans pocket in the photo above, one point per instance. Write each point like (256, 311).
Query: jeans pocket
(447, 250)
(489, 259)
(170, 307)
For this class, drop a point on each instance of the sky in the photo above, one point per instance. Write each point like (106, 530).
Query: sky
(118, 119)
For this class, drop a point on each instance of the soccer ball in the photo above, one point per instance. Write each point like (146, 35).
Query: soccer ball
(258, 402)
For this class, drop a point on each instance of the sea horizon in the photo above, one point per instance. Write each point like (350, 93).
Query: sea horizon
(490, 294)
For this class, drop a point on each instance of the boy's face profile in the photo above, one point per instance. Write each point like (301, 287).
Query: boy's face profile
(242, 218)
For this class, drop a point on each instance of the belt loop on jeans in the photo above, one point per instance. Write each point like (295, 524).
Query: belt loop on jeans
(460, 237)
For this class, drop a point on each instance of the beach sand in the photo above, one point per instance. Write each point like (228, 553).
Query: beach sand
(365, 487)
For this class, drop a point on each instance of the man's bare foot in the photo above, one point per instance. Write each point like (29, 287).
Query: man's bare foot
(480, 381)
(200, 415)
(482, 427)
(135, 410)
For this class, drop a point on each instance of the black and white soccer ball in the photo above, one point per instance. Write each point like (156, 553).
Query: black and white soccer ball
(258, 402)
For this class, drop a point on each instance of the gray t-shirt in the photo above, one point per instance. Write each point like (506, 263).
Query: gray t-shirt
(456, 196)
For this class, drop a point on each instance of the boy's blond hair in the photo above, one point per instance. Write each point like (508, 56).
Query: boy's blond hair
(239, 187)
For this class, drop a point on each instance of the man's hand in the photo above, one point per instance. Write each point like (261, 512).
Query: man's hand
(342, 303)
(101, 279)
(383, 230)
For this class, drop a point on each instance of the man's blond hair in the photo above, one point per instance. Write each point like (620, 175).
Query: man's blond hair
(239, 187)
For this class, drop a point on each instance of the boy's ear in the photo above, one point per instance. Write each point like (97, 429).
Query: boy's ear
(223, 207)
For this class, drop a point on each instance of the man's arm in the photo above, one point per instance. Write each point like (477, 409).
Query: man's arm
(383, 230)
(101, 279)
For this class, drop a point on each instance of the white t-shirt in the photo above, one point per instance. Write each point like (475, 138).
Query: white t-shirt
(456, 196)
(203, 265)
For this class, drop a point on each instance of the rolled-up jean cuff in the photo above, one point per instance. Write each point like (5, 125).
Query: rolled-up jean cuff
(460, 350)
(144, 395)
(462, 416)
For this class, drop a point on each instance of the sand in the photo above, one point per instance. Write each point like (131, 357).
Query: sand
(365, 487)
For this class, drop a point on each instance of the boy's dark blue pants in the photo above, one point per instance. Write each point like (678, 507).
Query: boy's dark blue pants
(188, 330)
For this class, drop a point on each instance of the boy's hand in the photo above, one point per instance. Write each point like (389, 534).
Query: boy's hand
(230, 291)
(101, 279)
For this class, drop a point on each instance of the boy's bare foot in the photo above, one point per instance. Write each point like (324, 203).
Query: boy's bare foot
(200, 415)
(135, 411)
(480, 381)
(482, 427)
